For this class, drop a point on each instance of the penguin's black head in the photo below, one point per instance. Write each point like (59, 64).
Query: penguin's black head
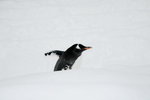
(76, 50)
(81, 48)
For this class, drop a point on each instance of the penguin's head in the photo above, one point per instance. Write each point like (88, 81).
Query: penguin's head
(76, 50)
(82, 48)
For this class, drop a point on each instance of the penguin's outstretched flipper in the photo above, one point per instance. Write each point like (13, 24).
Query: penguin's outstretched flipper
(57, 52)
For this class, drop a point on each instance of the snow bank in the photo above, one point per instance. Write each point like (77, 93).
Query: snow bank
(82, 84)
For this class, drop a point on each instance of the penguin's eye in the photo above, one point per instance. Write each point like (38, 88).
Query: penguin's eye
(77, 47)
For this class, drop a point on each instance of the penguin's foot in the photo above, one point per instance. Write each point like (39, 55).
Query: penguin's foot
(70, 68)
(65, 68)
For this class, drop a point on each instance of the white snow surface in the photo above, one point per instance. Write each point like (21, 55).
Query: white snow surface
(116, 68)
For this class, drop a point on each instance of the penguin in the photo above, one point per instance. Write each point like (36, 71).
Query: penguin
(67, 58)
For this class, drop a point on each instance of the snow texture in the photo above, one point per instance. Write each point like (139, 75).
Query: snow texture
(117, 68)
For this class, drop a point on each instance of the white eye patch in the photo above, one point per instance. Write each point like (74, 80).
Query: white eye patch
(77, 47)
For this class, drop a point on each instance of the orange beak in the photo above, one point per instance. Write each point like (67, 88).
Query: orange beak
(86, 48)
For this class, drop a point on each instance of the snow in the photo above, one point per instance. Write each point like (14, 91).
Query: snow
(117, 68)
(105, 84)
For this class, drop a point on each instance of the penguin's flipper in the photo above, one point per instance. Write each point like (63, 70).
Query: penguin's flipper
(57, 52)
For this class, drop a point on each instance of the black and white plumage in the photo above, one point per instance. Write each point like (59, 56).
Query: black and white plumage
(67, 58)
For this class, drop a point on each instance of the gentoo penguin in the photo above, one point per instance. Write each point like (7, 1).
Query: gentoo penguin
(67, 58)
